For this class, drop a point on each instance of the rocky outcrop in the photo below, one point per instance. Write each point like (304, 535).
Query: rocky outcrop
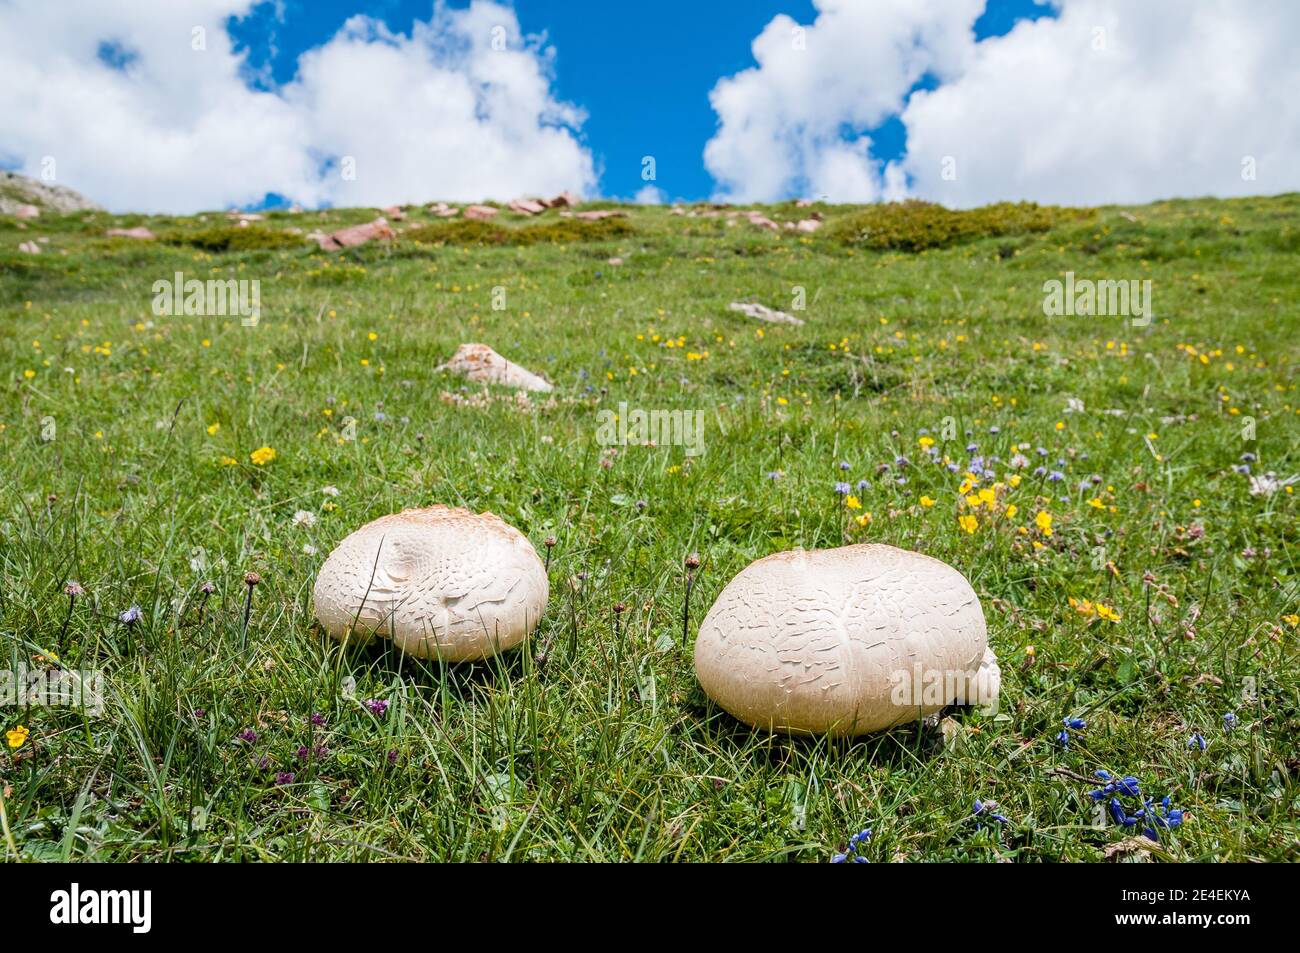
(17, 191)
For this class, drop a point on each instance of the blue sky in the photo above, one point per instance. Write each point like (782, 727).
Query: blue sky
(642, 72)
(1077, 102)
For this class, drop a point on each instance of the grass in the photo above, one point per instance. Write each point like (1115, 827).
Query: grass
(127, 439)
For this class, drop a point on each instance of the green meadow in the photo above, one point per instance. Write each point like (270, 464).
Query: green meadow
(1113, 486)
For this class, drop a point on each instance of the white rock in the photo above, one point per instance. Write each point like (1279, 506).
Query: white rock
(481, 364)
(845, 641)
(764, 313)
(440, 582)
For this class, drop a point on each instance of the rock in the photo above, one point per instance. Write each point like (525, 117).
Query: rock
(27, 212)
(443, 210)
(808, 225)
(441, 583)
(354, 235)
(564, 199)
(597, 214)
(480, 213)
(395, 213)
(482, 365)
(762, 221)
(140, 233)
(526, 206)
(30, 248)
(17, 191)
(764, 313)
(845, 642)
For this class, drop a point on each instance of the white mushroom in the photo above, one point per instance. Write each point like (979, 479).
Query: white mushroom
(440, 582)
(845, 641)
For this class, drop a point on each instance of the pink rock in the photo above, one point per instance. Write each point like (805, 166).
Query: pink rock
(443, 210)
(139, 232)
(803, 203)
(762, 221)
(27, 211)
(30, 248)
(809, 225)
(354, 235)
(597, 214)
(563, 200)
(395, 213)
(526, 206)
(480, 213)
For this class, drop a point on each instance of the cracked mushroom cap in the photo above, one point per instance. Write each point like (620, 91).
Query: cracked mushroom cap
(440, 582)
(845, 641)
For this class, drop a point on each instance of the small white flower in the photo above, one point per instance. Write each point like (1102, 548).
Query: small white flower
(304, 518)
(308, 549)
(330, 490)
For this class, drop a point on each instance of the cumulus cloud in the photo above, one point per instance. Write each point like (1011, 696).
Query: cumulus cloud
(1108, 102)
(782, 125)
(147, 106)
(1118, 102)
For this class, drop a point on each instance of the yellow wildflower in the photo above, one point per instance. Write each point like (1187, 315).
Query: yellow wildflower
(262, 456)
(17, 737)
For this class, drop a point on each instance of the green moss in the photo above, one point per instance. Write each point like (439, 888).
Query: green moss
(914, 226)
(234, 238)
(469, 232)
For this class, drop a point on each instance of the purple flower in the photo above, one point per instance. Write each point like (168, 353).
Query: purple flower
(283, 778)
(317, 719)
(1197, 741)
(378, 707)
(248, 735)
(842, 489)
(131, 616)
(392, 756)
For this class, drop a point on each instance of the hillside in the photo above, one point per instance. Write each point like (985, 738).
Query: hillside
(1114, 486)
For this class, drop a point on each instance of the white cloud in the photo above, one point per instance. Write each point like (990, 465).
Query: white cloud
(781, 124)
(442, 113)
(649, 195)
(1111, 102)
(1118, 102)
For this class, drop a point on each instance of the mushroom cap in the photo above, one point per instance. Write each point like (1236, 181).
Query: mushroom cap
(844, 641)
(441, 582)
